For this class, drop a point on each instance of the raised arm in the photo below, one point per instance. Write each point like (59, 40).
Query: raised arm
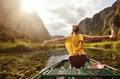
(53, 40)
(92, 38)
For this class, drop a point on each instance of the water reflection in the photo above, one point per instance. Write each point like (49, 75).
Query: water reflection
(54, 59)
(56, 56)
(106, 56)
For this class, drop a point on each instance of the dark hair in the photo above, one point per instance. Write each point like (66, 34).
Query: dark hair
(75, 28)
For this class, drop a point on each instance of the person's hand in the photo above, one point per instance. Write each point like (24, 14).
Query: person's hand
(112, 36)
(44, 43)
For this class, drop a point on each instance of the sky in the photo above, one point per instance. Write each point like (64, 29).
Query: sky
(58, 16)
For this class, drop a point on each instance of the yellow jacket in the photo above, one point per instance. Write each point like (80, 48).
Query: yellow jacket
(74, 45)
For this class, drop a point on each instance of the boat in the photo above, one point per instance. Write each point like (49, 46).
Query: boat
(92, 70)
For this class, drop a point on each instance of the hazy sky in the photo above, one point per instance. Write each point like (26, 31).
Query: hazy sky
(59, 15)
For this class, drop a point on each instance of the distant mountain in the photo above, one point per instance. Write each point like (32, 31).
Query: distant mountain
(101, 22)
(16, 24)
(57, 36)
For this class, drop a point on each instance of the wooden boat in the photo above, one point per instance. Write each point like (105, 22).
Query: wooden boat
(92, 70)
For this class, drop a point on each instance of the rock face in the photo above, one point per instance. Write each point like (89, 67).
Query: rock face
(101, 22)
(16, 24)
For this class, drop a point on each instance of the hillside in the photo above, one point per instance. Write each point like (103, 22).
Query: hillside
(16, 24)
(101, 22)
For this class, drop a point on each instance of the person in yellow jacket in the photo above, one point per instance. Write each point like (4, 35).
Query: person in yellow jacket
(74, 45)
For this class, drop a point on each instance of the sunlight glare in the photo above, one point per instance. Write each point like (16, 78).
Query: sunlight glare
(29, 5)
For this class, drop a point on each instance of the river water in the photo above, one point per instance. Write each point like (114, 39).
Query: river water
(110, 57)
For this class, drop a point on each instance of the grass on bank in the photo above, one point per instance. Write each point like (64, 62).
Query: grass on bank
(113, 44)
(21, 46)
(25, 46)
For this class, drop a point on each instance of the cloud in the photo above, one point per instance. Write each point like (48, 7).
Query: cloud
(63, 13)
(70, 14)
(81, 11)
(56, 26)
(59, 29)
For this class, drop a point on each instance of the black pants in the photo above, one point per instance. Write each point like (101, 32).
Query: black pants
(78, 61)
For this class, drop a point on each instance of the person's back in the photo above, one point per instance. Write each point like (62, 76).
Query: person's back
(74, 44)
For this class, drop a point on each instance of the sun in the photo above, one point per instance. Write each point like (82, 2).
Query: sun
(29, 5)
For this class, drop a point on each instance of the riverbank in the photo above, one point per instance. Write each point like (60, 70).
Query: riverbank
(25, 46)
(109, 44)
(28, 46)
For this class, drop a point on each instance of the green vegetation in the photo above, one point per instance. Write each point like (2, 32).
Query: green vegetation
(21, 46)
(17, 46)
(24, 65)
(113, 44)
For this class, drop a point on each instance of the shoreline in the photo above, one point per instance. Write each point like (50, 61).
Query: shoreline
(25, 47)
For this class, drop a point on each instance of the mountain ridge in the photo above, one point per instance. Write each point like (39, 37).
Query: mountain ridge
(101, 23)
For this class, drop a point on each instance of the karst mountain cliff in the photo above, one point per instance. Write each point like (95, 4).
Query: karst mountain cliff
(102, 22)
(16, 24)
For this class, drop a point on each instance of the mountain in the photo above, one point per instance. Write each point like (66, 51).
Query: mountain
(102, 22)
(17, 24)
(57, 36)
